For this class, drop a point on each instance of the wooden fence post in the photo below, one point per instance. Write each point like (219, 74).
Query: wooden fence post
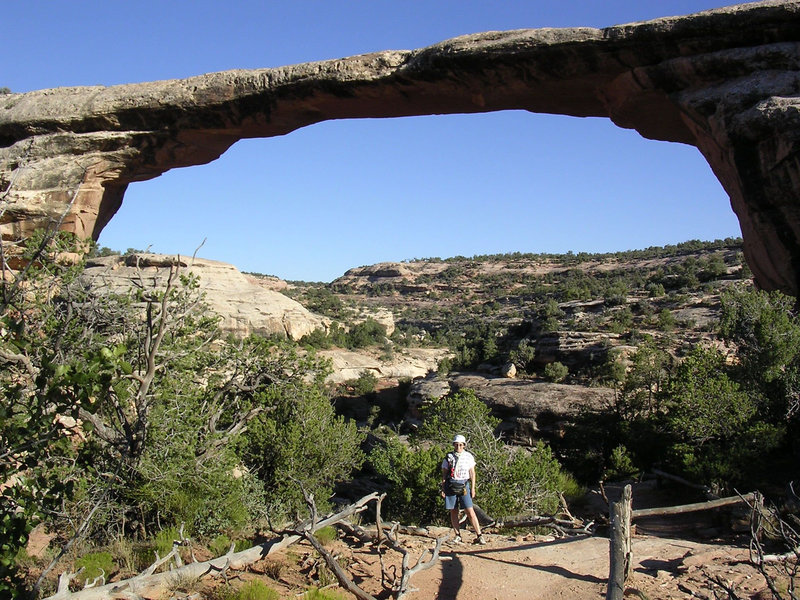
(620, 546)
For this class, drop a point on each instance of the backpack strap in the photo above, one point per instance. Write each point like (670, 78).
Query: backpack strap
(453, 460)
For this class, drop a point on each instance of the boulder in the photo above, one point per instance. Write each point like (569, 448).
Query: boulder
(424, 391)
(531, 409)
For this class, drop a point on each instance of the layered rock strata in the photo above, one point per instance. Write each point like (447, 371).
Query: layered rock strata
(725, 81)
(244, 307)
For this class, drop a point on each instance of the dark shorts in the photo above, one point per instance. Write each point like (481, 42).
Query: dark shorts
(464, 501)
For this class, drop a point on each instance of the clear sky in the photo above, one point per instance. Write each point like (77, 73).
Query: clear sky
(341, 194)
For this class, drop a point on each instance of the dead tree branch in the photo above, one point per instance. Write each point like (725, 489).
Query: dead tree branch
(153, 582)
(401, 586)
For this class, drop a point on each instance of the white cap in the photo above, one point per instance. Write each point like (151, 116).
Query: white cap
(459, 439)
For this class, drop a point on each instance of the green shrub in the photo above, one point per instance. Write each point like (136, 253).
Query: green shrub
(367, 333)
(302, 442)
(325, 535)
(364, 384)
(94, 565)
(220, 545)
(620, 464)
(255, 590)
(317, 594)
(316, 339)
(510, 481)
(555, 372)
(666, 320)
(163, 540)
(414, 475)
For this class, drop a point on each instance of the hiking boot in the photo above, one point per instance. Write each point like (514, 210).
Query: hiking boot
(480, 540)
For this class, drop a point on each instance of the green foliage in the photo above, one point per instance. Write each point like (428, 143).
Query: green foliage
(555, 372)
(318, 338)
(620, 464)
(94, 565)
(323, 301)
(666, 320)
(365, 384)
(414, 475)
(164, 403)
(254, 590)
(325, 535)
(317, 594)
(36, 331)
(300, 442)
(523, 355)
(704, 404)
(361, 335)
(164, 540)
(366, 333)
(508, 481)
(766, 332)
(639, 394)
(711, 421)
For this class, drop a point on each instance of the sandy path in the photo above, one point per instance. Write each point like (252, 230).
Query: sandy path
(510, 568)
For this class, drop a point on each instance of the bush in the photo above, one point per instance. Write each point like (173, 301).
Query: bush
(367, 333)
(620, 464)
(510, 481)
(94, 565)
(414, 475)
(555, 372)
(325, 535)
(302, 442)
(365, 384)
(317, 594)
(255, 590)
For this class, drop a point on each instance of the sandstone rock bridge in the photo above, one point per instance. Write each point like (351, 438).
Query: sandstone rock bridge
(726, 81)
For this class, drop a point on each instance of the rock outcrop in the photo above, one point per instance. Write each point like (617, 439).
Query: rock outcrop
(406, 363)
(725, 81)
(531, 409)
(245, 307)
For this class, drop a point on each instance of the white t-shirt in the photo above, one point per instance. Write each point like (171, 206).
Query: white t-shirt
(465, 462)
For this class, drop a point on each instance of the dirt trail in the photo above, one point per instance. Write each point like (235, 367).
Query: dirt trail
(509, 568)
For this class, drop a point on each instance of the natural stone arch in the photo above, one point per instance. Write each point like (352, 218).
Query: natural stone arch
(725, 81)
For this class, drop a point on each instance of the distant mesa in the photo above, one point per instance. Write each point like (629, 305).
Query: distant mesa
(724, 81)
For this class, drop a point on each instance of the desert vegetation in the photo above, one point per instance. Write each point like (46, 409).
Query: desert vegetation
(128, 421)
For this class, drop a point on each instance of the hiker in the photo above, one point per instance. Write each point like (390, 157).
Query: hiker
(458, 487)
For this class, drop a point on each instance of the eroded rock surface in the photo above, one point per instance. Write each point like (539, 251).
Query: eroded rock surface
(406, 363)
(725, 81)
(245, 307)
(532, 409)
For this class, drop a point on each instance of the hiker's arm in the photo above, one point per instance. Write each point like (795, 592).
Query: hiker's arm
(472, 481)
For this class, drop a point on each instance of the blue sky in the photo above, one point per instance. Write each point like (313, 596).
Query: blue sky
(341, 194)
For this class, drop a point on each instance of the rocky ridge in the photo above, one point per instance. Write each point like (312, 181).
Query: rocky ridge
(579, 310)
(251, 305)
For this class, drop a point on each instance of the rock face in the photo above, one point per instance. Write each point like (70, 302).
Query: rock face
(532, 409)
(245, 307)
(408, 362)
(725, 81)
